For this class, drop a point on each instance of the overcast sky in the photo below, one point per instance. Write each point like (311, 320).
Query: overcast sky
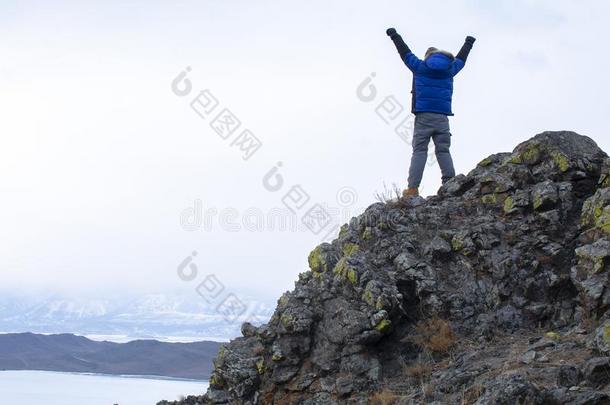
(99, 158)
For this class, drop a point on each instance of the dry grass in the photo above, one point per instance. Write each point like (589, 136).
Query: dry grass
(544, 259)
(512, 355)
(426, 390)
(510, 237)
(418, 370)
(258, 350)
(588, 321)
(435, 336)
(383, 397)
(389, 195)
(470, 395)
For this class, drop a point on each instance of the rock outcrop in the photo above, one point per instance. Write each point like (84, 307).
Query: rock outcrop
(494, 291)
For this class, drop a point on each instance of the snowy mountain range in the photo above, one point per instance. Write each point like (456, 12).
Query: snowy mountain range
(177, 317)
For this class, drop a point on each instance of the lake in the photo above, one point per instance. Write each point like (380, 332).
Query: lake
(52, 388)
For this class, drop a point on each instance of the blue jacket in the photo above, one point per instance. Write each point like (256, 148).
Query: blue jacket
(433, 82)
(432, 77)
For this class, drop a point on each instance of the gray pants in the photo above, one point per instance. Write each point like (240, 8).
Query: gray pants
(435, 126)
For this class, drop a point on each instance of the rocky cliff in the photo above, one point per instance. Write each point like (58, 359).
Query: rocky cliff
(494, 291)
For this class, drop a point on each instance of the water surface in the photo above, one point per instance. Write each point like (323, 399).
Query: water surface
(52, 388)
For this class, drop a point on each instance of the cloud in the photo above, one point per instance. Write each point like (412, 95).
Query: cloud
(519, 14)
(530, 60)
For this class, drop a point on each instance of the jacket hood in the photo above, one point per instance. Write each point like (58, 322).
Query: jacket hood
(440, 60)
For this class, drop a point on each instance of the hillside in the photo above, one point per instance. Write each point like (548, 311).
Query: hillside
(494, 291)
(71, 353)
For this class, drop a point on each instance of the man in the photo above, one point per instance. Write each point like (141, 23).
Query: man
(431, 103)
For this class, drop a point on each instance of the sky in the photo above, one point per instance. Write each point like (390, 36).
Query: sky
(112, 175)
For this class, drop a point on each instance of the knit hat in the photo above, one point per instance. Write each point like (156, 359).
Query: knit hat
(432, 50)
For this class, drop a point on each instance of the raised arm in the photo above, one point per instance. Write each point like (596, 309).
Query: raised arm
(460, 58)
(463, 53)
(405, 53)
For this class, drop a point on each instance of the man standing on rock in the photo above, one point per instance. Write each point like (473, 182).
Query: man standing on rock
(431, 103)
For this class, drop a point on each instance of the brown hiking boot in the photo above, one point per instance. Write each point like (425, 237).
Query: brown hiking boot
(410, 192)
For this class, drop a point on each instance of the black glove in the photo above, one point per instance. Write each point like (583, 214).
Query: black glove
(470, 39)
(401, 47)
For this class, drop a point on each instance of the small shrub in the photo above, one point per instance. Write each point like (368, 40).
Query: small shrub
(544, 259)
(384, 397)
(471, 395)
(389, 196)
(427, 390)
(418, 370)
(435, 335)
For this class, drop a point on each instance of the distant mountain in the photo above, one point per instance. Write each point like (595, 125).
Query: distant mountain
(157, 316)
(71, 353)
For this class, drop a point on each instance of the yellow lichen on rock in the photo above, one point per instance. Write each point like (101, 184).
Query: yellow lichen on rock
(561, 161)
(349, 249)
(553, 336)
(384, 326)
(509, 204)
(489, 199)
(343, 269)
